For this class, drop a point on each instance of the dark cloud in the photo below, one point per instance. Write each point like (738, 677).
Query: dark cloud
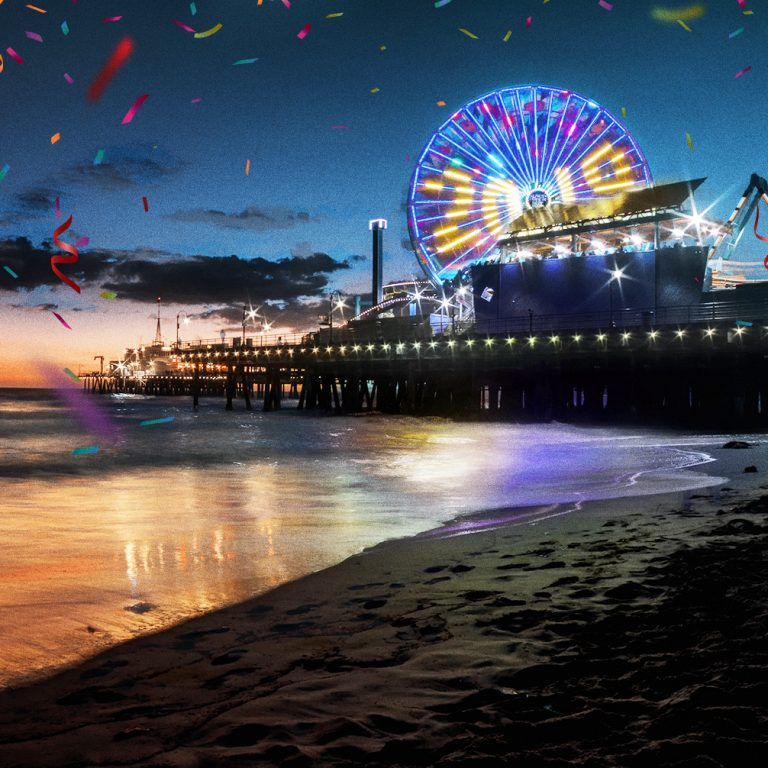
(222, 279)
(145, 274)
(252, 218)
(124, 168)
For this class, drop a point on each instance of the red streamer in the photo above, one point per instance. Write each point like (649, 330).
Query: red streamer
(146, 204)
(120, 55)
(757, 219)
(59, 258)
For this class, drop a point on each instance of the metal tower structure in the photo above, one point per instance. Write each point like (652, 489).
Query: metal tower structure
(158, 342)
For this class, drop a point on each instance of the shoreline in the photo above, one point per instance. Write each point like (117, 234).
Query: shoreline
(424, 649)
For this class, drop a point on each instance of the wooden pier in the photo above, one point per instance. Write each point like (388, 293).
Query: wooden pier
(702, 375)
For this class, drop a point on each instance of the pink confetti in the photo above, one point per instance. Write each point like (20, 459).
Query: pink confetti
(287, 3)
(183, 26)
(742, 3)
(62, 320)
(34, 36)
(81, 242)
(604, 4)
(197, 100)
(111, 18)
(129, 115)
(339, 126)
(304, 31)
(528, 22)
(68, 78)
(743, 71)
(15, 56)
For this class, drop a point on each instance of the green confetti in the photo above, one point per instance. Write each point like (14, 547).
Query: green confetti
(86, 449)
(164, 420)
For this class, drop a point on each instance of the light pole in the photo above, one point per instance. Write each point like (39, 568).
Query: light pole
(186, 322)
(339, 304)
(615, 275)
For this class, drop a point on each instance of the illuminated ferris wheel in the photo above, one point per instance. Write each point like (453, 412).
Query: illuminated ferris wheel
(511, 150)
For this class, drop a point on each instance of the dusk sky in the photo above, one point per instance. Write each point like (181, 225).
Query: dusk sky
(325, 153)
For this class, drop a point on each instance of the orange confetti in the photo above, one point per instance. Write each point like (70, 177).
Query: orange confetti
(55, 138)
(247, 167)
(35, 8)
(440, 103)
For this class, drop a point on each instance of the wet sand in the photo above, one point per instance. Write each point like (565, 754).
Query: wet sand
(631, 634)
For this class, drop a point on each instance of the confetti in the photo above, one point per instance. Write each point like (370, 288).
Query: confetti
(245, 61)
(99, 157)
(35, 8)
(58, 209)
(62, 320)
(209, 32)
(375, 90)
(736, 33)
(71, 375)
(55, 138)
(58, 258)
(339, 126)
(287, 3)
(508, 35)
(440, 103)
(2, 63)
(382, 47)
(742, 3)
(304, 31)
(164, 420)
(65, 27)
(604, 4)
(108, 295)
(15, 56)
(68, 78)
(247, 167)
(528, 22)
(119, 56)
(10, 271)
(4, 170)
(333, 15)
(146, 204)
(673, 15)
(196, 101)
(193, 9)
(757, 220)
(86, 449)
(684, 25)
(624, 112)
(749, 13)
(111, 18)
(743, 71)
(441, 3)
(81, 242)
(468, 33)
(130, 114)
(689, 140)
(184, 27)
(34, 36)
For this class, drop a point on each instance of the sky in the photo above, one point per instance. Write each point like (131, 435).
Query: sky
(328, 126)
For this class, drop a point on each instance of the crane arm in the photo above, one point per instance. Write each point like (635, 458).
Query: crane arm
(734, 227)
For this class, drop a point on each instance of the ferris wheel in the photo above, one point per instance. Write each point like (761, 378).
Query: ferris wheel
(511, 150)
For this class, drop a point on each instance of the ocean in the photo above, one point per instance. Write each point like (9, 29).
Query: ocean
(110, 528)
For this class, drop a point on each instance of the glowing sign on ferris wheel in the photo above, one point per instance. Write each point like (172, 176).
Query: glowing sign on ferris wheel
(511, 150)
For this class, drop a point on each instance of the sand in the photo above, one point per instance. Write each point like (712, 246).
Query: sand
(629, 634)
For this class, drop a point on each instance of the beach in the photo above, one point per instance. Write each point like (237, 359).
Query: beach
(630, 634)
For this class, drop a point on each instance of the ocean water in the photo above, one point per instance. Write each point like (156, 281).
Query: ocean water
(156, 523)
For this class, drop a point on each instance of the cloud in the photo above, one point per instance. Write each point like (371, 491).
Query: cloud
(252, 218)
(145, 274)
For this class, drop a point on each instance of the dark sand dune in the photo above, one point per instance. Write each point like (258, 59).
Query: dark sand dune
(636, 641)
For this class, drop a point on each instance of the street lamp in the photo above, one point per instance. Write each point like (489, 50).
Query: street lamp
(616, 274)
(186, 322)
(339, 305)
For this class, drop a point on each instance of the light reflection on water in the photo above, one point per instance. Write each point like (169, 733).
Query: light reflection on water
(216, 507)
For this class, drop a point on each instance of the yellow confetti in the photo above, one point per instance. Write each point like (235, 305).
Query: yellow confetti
(375, 90)
(333, 15)
(689, 140)
(749, 13)
(440, 103)
(55, 138)
(684, 25)
(382, 47)
(508, 35)
(247, 167)
(468, 33)
(624, 112)
(209, 32)
(672, 15)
